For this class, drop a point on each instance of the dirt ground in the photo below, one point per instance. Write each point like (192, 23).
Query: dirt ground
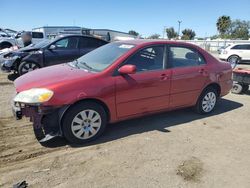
(173, 149)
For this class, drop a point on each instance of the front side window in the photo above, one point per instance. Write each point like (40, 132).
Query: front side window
(147, 59)
(67, 43)
(184, 57)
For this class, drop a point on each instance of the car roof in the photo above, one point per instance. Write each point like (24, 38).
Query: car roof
(78, 35)
(154, 41)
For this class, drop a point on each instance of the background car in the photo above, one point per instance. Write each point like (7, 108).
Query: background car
(235, 53)
(61, 50)
(119, 81)
(10, 38)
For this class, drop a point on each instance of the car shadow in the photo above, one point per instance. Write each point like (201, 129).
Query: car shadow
(160, 122)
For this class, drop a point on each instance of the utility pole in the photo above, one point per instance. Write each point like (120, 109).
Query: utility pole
(179, 22)
(164, 31)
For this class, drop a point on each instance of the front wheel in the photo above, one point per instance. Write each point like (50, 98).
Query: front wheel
(26, 67)
(233, 60)
(207, 101)
(84, 122)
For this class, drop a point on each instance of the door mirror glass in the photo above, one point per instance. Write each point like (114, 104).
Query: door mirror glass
(127, 69)
(52, 47)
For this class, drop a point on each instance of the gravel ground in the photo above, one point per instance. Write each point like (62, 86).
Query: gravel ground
(173, 149)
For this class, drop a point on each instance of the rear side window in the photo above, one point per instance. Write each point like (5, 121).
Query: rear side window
(241, 47)
(37, 35)
(179, 56)
(86, 42)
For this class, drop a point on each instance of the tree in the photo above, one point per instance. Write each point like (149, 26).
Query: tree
(171, 33)
(132, 32)
(223, 25)
(240, 29)
(188, 34)
(154, 36)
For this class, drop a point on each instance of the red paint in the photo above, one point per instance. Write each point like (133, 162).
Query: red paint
(131, 95)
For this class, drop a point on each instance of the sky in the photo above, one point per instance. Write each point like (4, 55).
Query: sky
(144, 16)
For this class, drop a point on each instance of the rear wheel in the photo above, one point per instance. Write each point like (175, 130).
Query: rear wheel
(84, 122)
(26, 67)
(5, 45)
(207, 101)
(245, 88)
(237, 88)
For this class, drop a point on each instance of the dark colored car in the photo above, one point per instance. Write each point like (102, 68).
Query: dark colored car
(46, 53)
(119, 81)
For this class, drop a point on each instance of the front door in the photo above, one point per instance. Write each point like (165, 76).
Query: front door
(66, 50)
(148, 89)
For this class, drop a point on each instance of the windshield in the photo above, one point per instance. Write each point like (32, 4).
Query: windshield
(42, 44)
(38, 45)
(99, 59)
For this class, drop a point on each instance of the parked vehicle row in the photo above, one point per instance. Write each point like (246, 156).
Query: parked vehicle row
(62, 49)
(115, 82)
(9, 39)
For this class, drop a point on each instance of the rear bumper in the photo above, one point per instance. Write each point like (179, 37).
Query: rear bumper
(226, 86)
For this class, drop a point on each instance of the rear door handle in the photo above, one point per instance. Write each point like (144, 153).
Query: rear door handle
(164, 77)
(203, 71)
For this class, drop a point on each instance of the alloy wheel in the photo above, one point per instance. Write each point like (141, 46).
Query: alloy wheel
(233, 60)
(209, 101)
(86, 124)
(27, 67)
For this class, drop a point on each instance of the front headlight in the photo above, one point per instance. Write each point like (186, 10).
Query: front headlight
(34, 96)
(36, 52)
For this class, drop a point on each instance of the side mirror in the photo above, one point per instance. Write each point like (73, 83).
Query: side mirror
(52, 47)
(127, 69)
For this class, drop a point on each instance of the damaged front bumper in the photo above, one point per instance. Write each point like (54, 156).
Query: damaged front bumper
(7, 64)
(45, 119)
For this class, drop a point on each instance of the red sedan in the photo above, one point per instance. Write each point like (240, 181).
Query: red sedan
(119, 81)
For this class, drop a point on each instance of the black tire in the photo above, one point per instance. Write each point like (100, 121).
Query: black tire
(245, 88)
(26, 67)
(73, 112)
(39, 133)
(237, 88)
(5, 45)
(199, 107)
(234, 60)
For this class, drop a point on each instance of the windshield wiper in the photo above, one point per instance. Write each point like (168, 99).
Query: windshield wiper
(86, 65)
(76, 64)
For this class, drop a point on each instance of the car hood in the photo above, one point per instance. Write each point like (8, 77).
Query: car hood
(51, 77)
(20, 52)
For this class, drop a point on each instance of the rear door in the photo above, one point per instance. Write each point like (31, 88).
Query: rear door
(189, 75)
(66, 50)
(88, 44)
